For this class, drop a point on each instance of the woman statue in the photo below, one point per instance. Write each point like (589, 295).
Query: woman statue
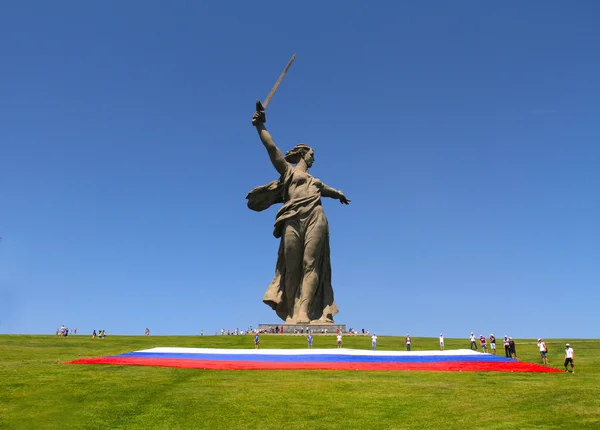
(301, 291)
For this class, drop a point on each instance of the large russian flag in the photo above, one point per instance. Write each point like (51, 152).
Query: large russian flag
(317, 359)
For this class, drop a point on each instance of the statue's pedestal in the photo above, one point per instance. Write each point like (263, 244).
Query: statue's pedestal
(302, 328)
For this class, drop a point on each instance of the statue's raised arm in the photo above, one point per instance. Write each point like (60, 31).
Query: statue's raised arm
(277, 158)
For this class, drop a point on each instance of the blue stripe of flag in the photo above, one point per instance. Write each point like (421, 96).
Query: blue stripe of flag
(324, 358)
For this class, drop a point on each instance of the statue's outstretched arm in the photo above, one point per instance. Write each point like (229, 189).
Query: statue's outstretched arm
(327, 191)
(275, 154)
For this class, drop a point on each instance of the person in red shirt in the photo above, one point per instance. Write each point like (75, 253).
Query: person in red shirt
(483, 343)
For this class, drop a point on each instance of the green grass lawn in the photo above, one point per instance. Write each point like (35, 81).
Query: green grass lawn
(36, 391)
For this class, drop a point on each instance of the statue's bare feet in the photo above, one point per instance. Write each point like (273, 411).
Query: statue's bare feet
(322, 320)
(290, 320)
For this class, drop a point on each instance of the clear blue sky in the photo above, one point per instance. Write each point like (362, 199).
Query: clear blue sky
(466, 134)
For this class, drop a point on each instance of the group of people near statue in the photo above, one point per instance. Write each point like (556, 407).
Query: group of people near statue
(510, 349)
(64, 331)
(508, 342)
(100, 335)
(511, 352)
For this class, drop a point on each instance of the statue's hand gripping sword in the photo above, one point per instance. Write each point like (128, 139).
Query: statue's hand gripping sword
(260, 107)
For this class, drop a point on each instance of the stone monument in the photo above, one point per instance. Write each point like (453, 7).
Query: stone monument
(301, 291)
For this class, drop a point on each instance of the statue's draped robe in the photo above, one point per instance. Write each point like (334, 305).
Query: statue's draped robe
(304, 212)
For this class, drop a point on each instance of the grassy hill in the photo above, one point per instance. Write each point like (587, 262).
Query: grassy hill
(36, 391)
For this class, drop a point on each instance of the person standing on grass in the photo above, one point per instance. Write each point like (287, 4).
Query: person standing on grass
(339, 340)
(569, 356)
(374, 341)
(473, 341)
(512, 347)
(506, 347)
(543, 351)
(441, 342)
(408, 342)
(310, 340)
(493, 343)
(482, 340)
(256, 340)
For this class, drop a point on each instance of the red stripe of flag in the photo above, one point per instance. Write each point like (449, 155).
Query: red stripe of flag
(456, 366)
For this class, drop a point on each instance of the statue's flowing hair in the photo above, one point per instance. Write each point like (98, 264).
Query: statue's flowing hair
(296, 154)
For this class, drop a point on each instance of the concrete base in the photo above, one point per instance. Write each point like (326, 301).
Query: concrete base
(302, 328)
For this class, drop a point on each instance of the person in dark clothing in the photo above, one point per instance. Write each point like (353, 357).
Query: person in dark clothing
(506, 347)
(513, 349)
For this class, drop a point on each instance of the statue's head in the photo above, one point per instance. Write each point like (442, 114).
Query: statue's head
(300, 152)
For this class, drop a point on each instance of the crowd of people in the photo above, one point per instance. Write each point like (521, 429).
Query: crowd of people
(510, 349)
(64, 331)
(279, 329)
(487, 345)
(100, 335)
(237, 332)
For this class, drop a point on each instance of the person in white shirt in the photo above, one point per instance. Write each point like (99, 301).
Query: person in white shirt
(543, 351)
(569, 355)
(441, 342)
(374, 341)
(408, 342)
(473, 341)
(339, 340)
